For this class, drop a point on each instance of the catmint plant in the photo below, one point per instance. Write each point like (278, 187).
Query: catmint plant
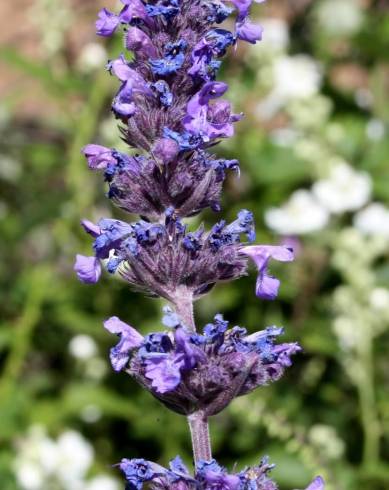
(170, 109)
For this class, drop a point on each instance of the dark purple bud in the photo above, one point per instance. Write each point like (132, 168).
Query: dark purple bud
(107, 23)
(166, 150)
(88, 269)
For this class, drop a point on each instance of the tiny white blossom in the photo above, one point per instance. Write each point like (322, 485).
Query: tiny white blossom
(275, 34)
(75, 457)
(294, 77)
(92, 57)
(373, 220)
(102, 482)
(375, 129)
(340, 17)
(82, 347)
(299, 215)
(379, 298)
(344, 190)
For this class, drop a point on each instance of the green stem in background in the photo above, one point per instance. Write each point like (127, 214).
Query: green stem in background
(369, 416)
(39, 281)
(78, 179)
(201, 442)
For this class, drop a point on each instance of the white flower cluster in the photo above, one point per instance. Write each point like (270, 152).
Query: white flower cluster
(43, 463)
(308, 211)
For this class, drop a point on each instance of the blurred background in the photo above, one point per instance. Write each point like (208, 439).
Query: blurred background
(314, 153)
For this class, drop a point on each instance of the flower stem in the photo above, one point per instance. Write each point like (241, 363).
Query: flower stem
(201, 442)
(183, 304)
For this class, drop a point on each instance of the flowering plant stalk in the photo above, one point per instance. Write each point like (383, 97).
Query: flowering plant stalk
(170, 110)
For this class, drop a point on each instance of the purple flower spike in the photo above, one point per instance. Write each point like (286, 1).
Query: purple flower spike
(267, 286)
(98, 156)
(317, 484)
(88, 269)
(130, 339)
(249, 32)
(107, 23)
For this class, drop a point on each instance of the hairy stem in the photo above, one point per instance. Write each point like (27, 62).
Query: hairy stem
(183, 304)
(201, 442)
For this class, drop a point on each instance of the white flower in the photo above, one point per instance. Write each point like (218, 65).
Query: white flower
(275, 34)
(375, 129)
(75, 457)
(379, 299)
(301, 214)
(29, 475)
(92, 57)
(91, 413)
(373, 220)
(294, 77)
(102, 482)
(82, 347)
(42, 461)
(340, 17)
(344, 190)
(36, 458)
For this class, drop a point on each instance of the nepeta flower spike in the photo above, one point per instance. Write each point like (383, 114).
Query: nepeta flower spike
(171, 110)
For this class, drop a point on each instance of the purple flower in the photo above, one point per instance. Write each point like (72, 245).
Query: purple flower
(139, 471)
(249, 32)
(243, 7)
(162, 90)
(106, 23)
(140, 43)
(133, 12)
(168, 9)
(91, 228)
(174, 57)
(267, 286)
(317, 484)
(218, 12)
(122, 70)
(123, 104)
(98, 156)
(213, 476)
(88, 269)
(130, 339)
(207, 121)
(164, 371)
